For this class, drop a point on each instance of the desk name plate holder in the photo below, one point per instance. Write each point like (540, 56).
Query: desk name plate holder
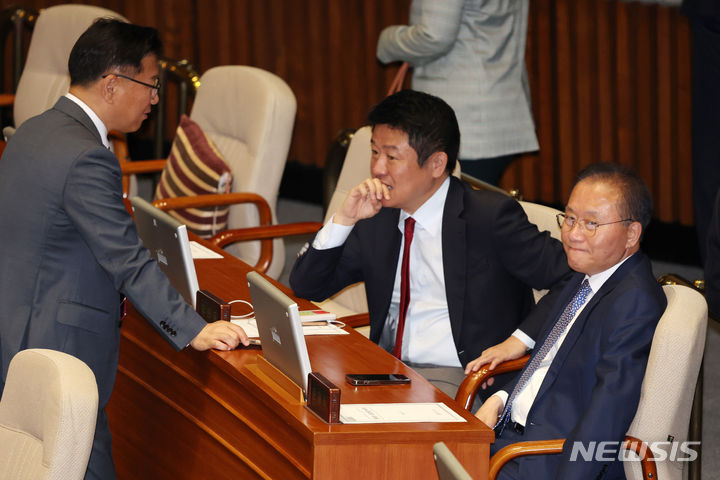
(270, 375)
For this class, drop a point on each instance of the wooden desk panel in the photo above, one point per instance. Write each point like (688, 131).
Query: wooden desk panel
(195, 414)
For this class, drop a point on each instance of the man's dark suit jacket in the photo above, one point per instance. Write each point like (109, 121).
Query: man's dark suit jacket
(69, 249)
(592, 388)
(491, 254)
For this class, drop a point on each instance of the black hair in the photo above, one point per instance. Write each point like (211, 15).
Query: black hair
(110, 43)
(636, 202)
(429, 122)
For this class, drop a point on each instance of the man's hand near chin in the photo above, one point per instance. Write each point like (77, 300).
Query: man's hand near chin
(363, 201)
(220, 335)
(510, 349)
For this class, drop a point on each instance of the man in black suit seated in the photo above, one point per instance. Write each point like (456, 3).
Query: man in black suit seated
(470, 257)
(582, 382)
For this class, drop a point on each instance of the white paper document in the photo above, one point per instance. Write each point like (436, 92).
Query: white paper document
(199, 252)
(250, 327)
(398, 413)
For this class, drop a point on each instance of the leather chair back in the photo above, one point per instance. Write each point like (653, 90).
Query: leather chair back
(48, 412)
(669, 385)
(45, 77)
(249, 114)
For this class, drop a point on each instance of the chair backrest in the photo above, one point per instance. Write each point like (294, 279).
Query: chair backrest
(249, 114)
(48, 412)
(545, 218)
(45, 77)
(669, 384)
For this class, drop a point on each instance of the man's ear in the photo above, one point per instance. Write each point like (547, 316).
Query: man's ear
(108, 88)
(437, 163)
(634, 232)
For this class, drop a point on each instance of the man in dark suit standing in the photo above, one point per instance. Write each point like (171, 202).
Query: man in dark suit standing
(70, 251)
(582, 382)
(448, 270)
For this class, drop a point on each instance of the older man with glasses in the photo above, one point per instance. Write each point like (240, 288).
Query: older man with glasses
(583, 380)
(70, 249)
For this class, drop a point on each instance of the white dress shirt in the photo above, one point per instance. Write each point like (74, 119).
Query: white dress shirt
(525, 398)
(101, 128)
(427, 338)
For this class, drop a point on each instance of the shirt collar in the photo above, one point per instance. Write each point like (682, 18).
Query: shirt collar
(429, 215)
(99, 125)
(598, 280)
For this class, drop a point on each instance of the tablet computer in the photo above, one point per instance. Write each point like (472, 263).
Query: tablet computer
(168, 243)
(280, 330)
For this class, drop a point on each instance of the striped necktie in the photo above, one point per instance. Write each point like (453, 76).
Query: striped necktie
(561, 324)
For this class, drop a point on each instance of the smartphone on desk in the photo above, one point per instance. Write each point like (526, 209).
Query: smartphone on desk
(377, 379)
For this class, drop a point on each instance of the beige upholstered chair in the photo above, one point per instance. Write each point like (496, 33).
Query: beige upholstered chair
(546, 220)
(249, 115)
(351, 300)
(669, 384)
(47, 417)
(45, 77)
(665, 399)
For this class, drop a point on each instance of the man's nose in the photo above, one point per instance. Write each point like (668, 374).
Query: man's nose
(379, 166)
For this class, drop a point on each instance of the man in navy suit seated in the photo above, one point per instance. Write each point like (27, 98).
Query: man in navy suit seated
(582, 382)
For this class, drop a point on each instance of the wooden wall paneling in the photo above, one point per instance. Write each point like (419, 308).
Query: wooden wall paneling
(541, 60)
(644, 151)
(606, 92)
(625, 58)
(666, 164)
(583, 45)
(566, 95)
(683, 100)
(610, 79)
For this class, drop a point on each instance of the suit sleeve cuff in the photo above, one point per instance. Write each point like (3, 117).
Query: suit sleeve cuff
(520, 335)
(331, 235)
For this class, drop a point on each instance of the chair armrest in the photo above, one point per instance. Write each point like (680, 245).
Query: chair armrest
(536, 447)
(469, 387)
(142, 166)
(216, 199)
(259, 233)
(647, 461)
(541, 447)
(265, 234)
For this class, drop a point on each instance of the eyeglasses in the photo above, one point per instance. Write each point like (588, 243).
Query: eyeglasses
(588, 226)
(155, 87)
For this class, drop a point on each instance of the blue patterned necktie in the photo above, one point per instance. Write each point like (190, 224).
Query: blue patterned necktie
(563, 321)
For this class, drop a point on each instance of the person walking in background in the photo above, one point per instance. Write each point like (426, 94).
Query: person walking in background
(471, 53)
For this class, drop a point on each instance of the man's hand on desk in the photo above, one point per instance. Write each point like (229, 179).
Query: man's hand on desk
(510, 349)
(490, 411)
(220, 335)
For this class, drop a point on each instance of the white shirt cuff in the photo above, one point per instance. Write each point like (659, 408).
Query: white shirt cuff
(331, 235)
(522, 336)
(503, 396)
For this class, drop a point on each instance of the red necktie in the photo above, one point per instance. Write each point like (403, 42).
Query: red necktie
(404, 285)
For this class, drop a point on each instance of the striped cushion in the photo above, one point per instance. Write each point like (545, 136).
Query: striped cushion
(195, 167)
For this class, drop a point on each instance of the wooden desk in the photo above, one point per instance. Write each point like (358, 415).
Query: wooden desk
(199, 415)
